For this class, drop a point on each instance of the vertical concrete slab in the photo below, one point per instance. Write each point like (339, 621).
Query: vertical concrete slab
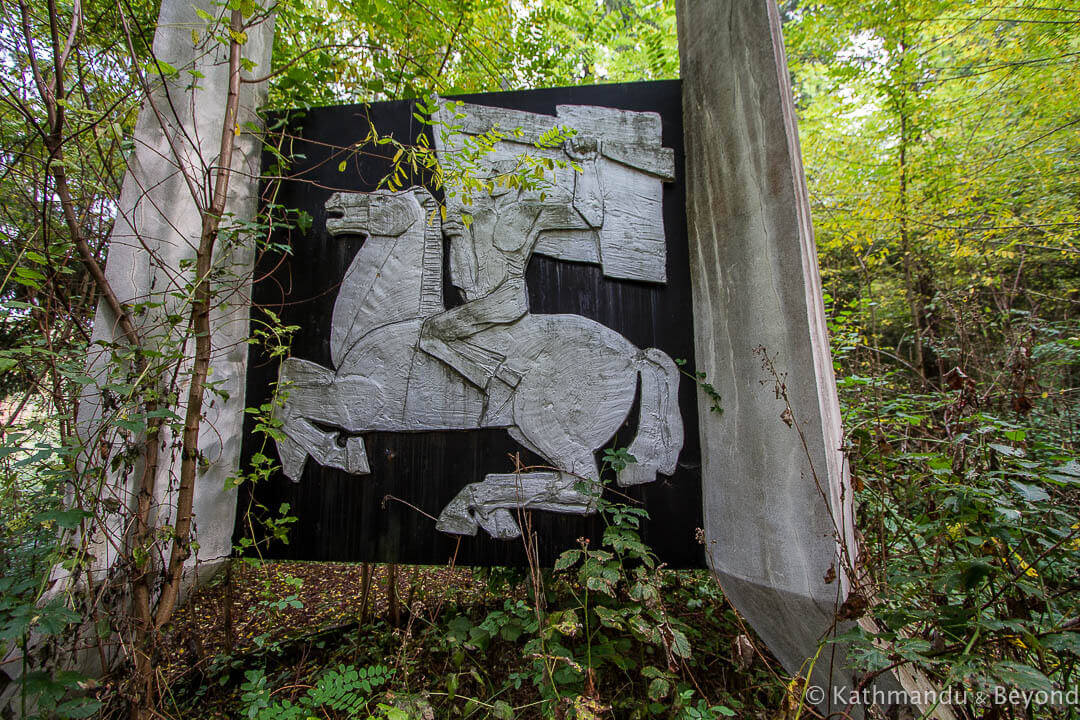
(151, 259)
(777, 500)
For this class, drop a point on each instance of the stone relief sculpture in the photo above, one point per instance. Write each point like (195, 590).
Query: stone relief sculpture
(561, 385)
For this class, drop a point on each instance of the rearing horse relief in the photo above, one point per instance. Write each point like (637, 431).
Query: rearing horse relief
(561, 385)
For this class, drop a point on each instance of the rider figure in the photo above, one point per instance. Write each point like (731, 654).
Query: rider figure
(488, 262)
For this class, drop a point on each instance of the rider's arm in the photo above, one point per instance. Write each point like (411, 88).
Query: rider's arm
(463, 263)
(588, 192)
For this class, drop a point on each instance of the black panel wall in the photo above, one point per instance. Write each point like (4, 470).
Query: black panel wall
(353, 518)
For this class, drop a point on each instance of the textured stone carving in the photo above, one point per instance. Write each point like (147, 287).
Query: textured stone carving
(561, 385)
(613, 214)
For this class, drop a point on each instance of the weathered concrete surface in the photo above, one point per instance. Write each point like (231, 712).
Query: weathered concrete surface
(777, 502)
(151, 255)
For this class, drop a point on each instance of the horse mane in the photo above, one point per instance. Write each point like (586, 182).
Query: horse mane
(431, 287)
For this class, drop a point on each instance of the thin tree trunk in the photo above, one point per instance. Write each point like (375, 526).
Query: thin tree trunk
(365, 590)
(412, 588)
(200, 324)
(230, 631)
(910, 286)
(394, 608)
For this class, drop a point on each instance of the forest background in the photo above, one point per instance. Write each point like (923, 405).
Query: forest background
(941, 140)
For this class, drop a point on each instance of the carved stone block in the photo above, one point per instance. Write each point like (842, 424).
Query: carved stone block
(561, 385)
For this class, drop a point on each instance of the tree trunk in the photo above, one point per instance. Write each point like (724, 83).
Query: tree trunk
(911, 285)
(394, 607)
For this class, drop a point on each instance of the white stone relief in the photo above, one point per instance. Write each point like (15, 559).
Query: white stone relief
(561, 385)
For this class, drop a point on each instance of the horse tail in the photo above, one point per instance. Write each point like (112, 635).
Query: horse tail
(660, 429)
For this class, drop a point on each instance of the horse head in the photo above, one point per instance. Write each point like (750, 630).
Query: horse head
(396, 274)
(382, 213)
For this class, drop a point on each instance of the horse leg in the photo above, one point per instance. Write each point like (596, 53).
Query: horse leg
(487, 504)
(302, 438)
(477, 503)
(310, 392)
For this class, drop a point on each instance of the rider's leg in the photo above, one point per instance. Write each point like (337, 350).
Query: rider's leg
(445, 336)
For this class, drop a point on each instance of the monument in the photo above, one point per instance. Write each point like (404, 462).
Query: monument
(561, 385)
(546, 320)
(540, 315)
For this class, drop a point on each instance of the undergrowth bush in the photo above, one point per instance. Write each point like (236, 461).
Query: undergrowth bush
(606, 630)
(969, 508)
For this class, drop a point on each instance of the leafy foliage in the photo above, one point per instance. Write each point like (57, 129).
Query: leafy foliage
(942, 165)
(330, 51)
(344, 689)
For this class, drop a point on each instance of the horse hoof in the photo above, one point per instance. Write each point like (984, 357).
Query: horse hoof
(498, 523)
(292, 458)
(356, 460)
(456, 519)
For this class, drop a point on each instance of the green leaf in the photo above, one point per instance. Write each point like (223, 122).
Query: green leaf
(25, 272)
(1031, 493)
(1006, 450)
(67, 519)
(304, 221)
(161, 67)
(1021, 676)
(679, 644)
(54, 619)
(1063, 642)
(974, 573)
(659, 689)
(567, 559)
(78, 708)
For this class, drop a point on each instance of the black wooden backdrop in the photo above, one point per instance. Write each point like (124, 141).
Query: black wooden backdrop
(348, 518)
